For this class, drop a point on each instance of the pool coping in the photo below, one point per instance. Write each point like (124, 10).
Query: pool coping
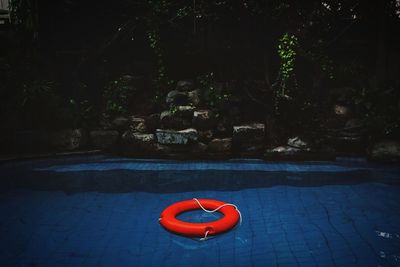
(32, 156)
(303, 157)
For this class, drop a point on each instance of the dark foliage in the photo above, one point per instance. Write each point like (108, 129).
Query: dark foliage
(284, 57)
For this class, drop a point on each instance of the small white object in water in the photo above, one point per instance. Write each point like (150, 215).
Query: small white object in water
(382, 254)
(384, 234)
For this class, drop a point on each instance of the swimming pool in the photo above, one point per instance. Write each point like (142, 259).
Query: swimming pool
(103, 211)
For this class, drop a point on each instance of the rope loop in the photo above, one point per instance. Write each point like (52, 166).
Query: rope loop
(212, 211)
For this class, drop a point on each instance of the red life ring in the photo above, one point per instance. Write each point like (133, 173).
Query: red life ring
(169, 221)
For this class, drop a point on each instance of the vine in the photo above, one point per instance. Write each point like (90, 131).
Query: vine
(287, 46)
(286, 79)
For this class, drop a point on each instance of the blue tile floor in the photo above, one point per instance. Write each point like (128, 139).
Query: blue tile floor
(331, 225)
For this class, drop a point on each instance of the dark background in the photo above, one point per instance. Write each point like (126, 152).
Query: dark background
(347, 53)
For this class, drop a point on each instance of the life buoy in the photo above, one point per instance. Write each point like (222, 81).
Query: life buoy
(169, 221)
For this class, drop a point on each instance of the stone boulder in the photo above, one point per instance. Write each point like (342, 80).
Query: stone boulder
(169, 121)
(178, 118)
(194, 97)
(153, 122)
(68, 139)
(104, 139)
(282, 152)
(198, 147)
(342, 110)
(138, 138)
(184, 85)
(121, 123)
(205, 135)
(138, 142)
(285, 150)
(178, 111)
(178, 98)
(297, 142)
(220, 145)
(203, 119)
(179, 151)
(293, 153)
(137, 124)
(172, 137)
(385, 150)
(249, 137)
(184, 111)
(223, 128)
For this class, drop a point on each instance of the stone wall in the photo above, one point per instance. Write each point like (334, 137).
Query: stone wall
(188, 128)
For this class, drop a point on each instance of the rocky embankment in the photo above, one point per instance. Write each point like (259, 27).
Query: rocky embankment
(188, 129)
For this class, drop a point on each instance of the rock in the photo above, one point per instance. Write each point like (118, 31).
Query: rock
(223, 128)
(248, 137)
(284, 150)
(178, 118)
(68, 139)
(220, 145)
(205, 136)
(244, 132)
(203, 119)
(197, 148)
(182, 137)
(179, 111)
(121, 123)
(194, 97)
(153, 122)
(185, 111)
(138, 142)
(138, 138)
(104, 139)
(183, 152)
(385, 150)
(184, 85)
(177, 98)
(349, 138)
(296, 142)
(169, 121)
(137, 124)
(293, 153)
(342, 110)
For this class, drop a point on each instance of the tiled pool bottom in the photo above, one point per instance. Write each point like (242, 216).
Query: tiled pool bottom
(331, 225)
(103, 211)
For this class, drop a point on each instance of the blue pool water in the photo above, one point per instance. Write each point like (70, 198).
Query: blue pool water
(103, 211)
